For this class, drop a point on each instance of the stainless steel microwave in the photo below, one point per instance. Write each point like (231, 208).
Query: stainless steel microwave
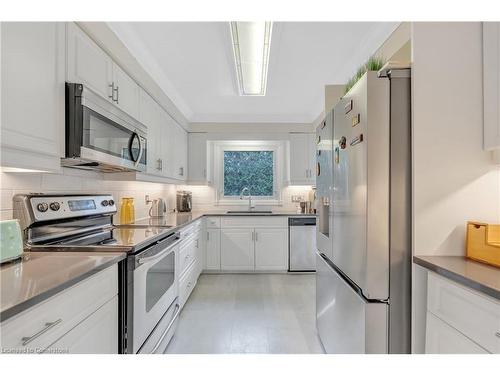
(100, 136)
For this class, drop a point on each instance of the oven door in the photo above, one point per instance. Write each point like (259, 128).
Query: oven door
(155, 288)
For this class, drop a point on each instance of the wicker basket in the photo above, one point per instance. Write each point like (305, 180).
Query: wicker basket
(483, 242)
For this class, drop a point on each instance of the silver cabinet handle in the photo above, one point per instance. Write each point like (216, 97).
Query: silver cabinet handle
(117, 90)
(256, 236)
(208, 236)
(158, 164)
(112, 87)
(205, 173)
(48, 326)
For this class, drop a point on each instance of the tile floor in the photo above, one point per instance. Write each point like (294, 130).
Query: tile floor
(249, 313)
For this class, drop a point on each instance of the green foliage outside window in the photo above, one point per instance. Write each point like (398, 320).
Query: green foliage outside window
(252, 169)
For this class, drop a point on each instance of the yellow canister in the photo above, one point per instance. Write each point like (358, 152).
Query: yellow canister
(127, 211)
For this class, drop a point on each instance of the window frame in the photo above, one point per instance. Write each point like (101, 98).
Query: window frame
(278, 155)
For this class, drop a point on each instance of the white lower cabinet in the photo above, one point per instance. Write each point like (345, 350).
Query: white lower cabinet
(441, 338)
(212, 249)
(187, 283)
(96, 334)
(78, 308)
(237, 249)
(253, 244)
(471, 319)
(271, 249)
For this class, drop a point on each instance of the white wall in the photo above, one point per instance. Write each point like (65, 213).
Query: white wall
(75, 181)
(454, 180)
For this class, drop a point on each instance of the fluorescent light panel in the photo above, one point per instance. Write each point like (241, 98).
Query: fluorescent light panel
(251, 43)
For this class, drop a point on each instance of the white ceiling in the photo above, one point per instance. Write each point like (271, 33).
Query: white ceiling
(193, 63)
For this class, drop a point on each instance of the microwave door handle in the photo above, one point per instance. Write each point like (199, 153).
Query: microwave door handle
(130, 150)
(141, 150)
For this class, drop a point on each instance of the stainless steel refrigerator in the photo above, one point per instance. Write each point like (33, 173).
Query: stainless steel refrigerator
(364, 279)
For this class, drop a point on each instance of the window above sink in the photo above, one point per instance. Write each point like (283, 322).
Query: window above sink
(256, 165)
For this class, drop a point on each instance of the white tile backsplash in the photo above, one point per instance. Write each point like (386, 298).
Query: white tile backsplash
(204, 198)
(77, 181)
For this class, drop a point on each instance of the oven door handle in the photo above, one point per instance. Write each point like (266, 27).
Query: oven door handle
(174, 318)
(161, 253)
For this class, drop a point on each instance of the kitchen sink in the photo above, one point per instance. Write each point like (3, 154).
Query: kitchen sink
(249, 212)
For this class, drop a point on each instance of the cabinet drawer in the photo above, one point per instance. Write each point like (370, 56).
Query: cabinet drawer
(97, 334)
(213, 222)
(474, 315)
(254, 221)
(59, 314)
(187, 253)
(189, 230)
(440, 338)
(187, 283)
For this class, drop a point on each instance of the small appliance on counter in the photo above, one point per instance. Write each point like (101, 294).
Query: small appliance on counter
(11, 241)
(184, 201)
(158, 208)
(483, 242)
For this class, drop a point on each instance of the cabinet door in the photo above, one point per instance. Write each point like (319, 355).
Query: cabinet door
(181, 153)
(126, 92)
(299, 158)
(97, 334)
(87, 63)
(311, 142)
(32, 94)
(440, 338)
(149, 115)
(271, 249)
(197, 158)
(199, 245)
(237, 249)
(212, 250)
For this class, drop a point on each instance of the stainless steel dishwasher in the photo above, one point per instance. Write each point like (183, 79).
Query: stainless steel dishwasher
(302, 244)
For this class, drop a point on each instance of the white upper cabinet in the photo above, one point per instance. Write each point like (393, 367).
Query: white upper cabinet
(491, 84)
(302, 159)
(149, 115)
(198, 159)
(87, 63)
(126, 92)
(180, 152)
(32, 95)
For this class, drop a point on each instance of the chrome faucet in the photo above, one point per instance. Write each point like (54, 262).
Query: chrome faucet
(246, 189)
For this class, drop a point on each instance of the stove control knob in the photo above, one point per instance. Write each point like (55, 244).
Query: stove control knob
(54, 206)
(42, 207)
(104, 203)
(111, 202)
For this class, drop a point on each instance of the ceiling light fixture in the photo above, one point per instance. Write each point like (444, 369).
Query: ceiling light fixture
(251, 43)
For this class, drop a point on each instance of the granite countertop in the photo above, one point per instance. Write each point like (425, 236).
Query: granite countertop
(177, 220)
(472, 274)
(38, 276)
